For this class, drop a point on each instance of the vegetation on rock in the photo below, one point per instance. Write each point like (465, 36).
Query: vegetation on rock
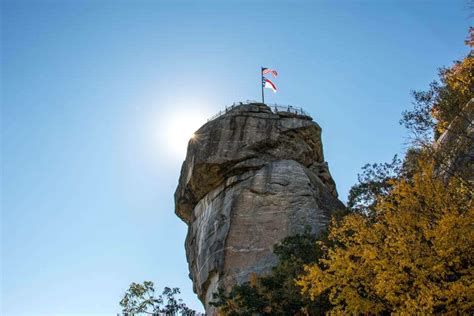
(277, 293)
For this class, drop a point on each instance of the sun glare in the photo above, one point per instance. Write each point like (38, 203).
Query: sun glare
(180, 128)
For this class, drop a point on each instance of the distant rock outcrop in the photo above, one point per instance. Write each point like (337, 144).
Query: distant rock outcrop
(251, 177)
(455, 147)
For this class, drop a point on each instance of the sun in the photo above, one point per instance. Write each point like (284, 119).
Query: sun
(179, 130)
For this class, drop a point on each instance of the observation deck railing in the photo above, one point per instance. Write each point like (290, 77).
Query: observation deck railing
(160, 314)
(275, 108)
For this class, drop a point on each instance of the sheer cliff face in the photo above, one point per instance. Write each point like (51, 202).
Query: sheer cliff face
(455, 147)
(251, 178)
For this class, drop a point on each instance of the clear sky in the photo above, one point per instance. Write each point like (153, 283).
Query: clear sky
(97, 97)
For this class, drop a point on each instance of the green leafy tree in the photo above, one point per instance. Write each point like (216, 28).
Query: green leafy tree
(441, 119)
(140, 298)
(277, 293)
(435, 108)
(374, 181)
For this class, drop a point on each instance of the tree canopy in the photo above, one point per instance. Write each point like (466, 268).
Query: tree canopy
(140, 298)
(414, 257)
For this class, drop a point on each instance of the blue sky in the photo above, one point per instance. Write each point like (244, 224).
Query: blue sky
(97, 97)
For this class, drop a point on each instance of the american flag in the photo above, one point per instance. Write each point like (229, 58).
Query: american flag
(266, 71)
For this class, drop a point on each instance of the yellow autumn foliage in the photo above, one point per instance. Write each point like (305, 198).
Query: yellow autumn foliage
(459, 89)
(460, 77)
(414, 257)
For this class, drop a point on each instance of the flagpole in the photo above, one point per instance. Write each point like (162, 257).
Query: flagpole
(261, 84)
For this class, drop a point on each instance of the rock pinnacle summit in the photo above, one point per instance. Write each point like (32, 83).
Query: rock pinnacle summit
(252, 177)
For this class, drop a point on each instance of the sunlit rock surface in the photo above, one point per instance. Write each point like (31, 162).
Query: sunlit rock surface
(251, 178)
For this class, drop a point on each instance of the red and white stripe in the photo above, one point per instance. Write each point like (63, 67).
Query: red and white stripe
(266, 71)
(270, 85)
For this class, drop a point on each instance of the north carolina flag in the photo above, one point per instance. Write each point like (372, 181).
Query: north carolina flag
(268, 84)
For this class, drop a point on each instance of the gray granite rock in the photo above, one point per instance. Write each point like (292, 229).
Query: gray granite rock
(251, 178)
(455, 147)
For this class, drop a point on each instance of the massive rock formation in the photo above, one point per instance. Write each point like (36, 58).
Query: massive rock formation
(251, 177)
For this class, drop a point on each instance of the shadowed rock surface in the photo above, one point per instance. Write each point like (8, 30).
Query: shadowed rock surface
(455, 147)
(251, 178)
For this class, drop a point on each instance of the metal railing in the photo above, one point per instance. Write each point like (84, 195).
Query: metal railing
(222, 112)
(275, 108)
(192, 313)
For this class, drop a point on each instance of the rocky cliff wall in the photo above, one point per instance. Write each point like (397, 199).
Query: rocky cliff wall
(251, 178)
(455, 147)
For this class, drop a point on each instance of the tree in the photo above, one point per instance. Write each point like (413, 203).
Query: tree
(444, 114)
(277, 293)
(470, 38)
(413, 257)
(437, 107)
(375, 181)
(139, 298)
